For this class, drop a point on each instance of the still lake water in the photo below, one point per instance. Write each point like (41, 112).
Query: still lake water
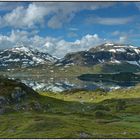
(43, 83)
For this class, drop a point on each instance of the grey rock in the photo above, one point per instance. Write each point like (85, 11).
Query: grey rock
(2, 100)
(2, 111)
(17, 94)
(84, 135)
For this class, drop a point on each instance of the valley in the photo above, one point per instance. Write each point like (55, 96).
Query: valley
(70, 99)
(43, 72)
(59, 79)
(69, 69)
(73, 114)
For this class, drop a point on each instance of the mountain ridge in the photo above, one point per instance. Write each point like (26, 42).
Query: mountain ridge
(104, 53)
(21, 56)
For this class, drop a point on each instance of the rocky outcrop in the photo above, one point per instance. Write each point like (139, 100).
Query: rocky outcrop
(16, 96)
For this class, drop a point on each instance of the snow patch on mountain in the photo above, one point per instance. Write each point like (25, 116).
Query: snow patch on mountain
(137, 51)
(115, 61)
(108, 52)
(23, 57)
(112, 50)
(109, 44)
(133, 63)
(20, 49)
(121, 50)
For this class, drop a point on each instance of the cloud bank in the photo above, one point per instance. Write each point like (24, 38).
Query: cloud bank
(25, 19)
(110, 20)
(58, 12)
(54, 46)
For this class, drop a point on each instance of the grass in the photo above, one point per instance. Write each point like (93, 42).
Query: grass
(73, 114)
(56, 125)
(109, 115)
(95, 96)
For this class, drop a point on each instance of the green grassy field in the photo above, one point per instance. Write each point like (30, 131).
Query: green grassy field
(95, 96)
(56, 125)
(77, 114)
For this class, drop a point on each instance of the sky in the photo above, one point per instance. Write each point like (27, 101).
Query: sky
(63, 27)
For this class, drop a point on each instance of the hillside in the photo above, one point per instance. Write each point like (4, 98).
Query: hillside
(69, 70)
(107, 54)
(73, 114)
(16, 96)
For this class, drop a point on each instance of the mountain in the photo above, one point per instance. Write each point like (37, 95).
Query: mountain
(21, 56)
(16, 96)
(105, 53)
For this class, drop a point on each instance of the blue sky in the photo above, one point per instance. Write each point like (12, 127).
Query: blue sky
(68, 26)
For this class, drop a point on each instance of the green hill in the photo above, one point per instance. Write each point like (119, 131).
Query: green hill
(74, 114)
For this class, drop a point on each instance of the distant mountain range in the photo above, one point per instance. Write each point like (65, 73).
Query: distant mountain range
(49, 73)
(105, 54)
(21, 56)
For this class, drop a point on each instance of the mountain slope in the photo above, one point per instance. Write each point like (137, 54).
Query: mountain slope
(15, 96)
(21, 56)
(76, 114)
(105, 53)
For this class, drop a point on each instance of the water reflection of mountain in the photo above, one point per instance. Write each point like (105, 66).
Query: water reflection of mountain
(85, 81)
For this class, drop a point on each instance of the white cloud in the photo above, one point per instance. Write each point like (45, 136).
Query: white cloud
(6, 6)
(60, 47)
(72, 34)
(18, 36)
(22, 17)
(55, 46)
(109, 21)
(59, 12)
(5, 42)
(123, 39)
(116, 33)
(73, 29)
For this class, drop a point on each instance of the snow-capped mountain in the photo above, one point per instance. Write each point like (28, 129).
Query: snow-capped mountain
(21, 56)
(105, 53)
